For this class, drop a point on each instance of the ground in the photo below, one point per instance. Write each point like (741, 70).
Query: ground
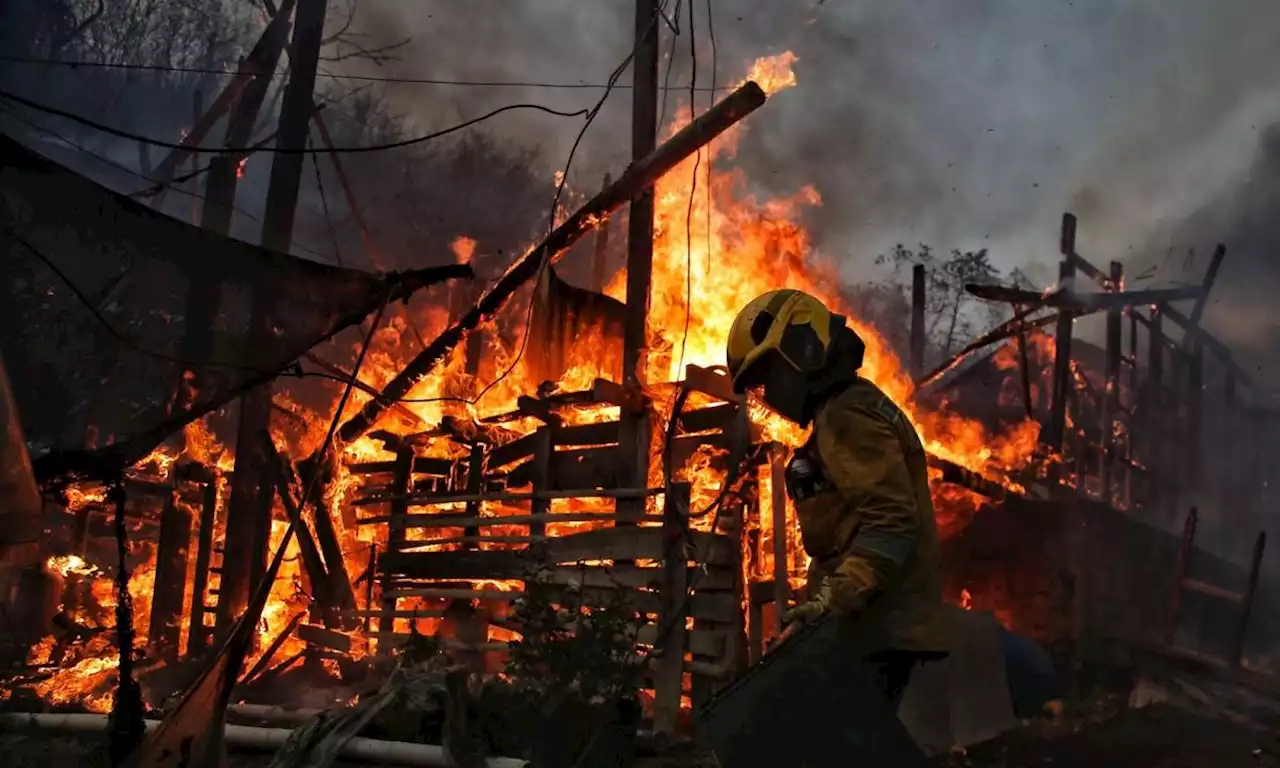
(1154, 737)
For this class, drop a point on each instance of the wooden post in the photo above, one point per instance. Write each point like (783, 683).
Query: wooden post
(669, 676)
(917, 321)
(1184, 564)
(1132, 407)
(197, 632)
(1154, 412)
(165, 633)
(635, 427)
(1246, 605)
(778, 512)
(277, 235)
(1111, 393)
(1062, 385)
(601, 253)
(401, 484)
(544, 448)
(1195, 400)
(248, 517)
(475, 485)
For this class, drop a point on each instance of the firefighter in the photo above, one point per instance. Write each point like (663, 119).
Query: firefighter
(859, 484)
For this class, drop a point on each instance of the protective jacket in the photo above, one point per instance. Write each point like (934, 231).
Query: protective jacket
(861, 492)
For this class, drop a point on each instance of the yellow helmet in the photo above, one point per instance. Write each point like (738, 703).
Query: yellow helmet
(792, 324)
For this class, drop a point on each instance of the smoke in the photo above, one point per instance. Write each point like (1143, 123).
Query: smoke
(958, 123)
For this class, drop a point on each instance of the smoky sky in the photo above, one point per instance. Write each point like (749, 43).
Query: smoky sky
(956, 123)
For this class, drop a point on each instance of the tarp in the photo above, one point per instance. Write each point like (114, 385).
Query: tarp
(100, 308)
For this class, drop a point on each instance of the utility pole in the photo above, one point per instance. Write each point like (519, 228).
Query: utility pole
(249, 514)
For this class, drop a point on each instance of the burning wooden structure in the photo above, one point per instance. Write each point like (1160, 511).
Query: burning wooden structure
(584, 485)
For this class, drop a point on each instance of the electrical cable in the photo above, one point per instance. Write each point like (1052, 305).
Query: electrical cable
(279, 150)
(693, 191)
(671, 61)
(324, 203)
(334, 76)
(711, 35)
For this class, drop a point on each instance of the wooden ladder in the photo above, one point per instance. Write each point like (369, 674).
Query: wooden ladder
(1184, 583)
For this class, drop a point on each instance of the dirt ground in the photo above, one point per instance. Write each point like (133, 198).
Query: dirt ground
(1155, 737)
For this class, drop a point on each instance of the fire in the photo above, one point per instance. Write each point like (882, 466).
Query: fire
(716, 247)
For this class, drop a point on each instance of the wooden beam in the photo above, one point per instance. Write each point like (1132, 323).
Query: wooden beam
(257, 61)
(1092, 302)
(170, 580)
(1061, 362)
(639, 175)
(396, 535)
(1111, 386)
(778, 518)
(917, 321)
(1215, 263)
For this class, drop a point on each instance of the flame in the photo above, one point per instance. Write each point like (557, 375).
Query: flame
(716, 246)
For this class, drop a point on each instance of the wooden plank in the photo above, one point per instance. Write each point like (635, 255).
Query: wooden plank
(329, 639)
(634, 543)
(669, 638)
(916, 359)
(486, 564)
(1067, 299)
(719, 607)
(778, 518)
(516, 450)
(1185, 550)
(439, 499)
(1246, 608)
(541, 468)
(715, 417)
(170, 579)
(1212, 590)
(475, 484)
(464, 521)
(197, 634)
(1193, 448)
(710, 382)
(603, 433)
(1111, 388)
(1062, 354)
(396, 538)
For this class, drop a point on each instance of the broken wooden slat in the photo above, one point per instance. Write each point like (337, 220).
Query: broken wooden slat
(1246, 607)
(464, 521)
(604, 544)
(440, 499)
(713, 606)
(1212, 590)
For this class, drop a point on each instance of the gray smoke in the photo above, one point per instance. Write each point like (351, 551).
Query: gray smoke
(959, 123)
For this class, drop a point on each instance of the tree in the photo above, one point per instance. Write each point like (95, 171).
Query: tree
(952, 316)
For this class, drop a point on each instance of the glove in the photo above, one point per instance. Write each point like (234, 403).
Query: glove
(809, 611)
